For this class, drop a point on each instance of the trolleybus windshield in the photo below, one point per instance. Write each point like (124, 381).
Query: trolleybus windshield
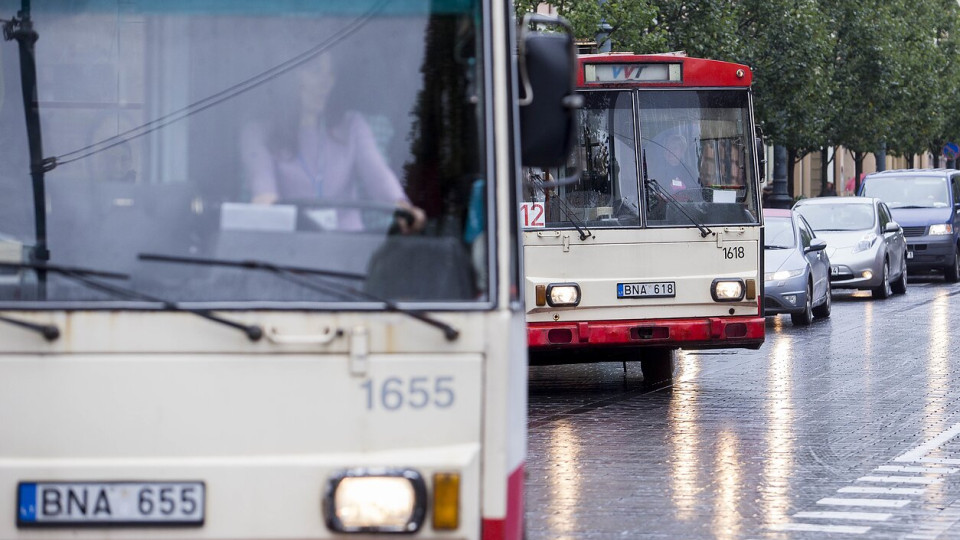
(346, 137)
(697, 146)
(692, 167)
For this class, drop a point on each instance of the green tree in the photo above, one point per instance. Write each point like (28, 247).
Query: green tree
(631, 25)
(787, 44)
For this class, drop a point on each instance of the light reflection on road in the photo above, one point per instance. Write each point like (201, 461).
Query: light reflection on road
(564, 454)
(683, 421)
(729, 477)
(780, 460)
(938, 378)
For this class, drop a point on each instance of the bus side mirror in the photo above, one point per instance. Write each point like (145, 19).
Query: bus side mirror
(549, 101)
(761, 155)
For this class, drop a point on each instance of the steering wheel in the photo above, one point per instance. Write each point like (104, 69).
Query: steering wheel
(376, 216)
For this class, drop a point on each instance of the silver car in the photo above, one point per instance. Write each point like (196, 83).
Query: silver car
(866, 247)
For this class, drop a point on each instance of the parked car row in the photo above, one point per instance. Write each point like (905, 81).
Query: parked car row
(830, 243)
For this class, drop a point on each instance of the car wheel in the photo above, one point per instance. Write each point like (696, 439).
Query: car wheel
(900, 285)
(805, 317)
(884, 290)
(658, 365)
(823, 310)
(952, 272)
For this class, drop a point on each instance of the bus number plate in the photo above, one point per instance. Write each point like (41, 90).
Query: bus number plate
(104, 504)
(654, 289)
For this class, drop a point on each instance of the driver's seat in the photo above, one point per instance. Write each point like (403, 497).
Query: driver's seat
(420, 268)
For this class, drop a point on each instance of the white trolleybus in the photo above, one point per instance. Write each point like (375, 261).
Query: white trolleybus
(656, 245)
(259, 264)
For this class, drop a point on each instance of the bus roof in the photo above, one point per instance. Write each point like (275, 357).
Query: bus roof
(627, 70)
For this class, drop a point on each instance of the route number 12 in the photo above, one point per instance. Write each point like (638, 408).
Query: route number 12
(532, 215)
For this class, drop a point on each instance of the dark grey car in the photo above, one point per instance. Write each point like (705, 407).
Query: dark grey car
(796, 269)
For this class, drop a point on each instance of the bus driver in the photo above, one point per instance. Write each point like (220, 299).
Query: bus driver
(317, 149)
(672, 170)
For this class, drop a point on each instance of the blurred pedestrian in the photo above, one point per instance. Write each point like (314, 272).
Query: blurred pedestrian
(829, 190)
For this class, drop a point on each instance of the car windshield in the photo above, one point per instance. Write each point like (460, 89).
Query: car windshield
(340, 136)
(909, 191)
(838, 217)
(778, 233)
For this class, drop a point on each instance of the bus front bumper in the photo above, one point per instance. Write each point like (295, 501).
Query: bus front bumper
(707, 333)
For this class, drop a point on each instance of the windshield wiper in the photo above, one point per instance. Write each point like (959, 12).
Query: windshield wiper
(776, 247)
(84, 275)
(574, 219)
(51, 332)
(293, 274)
(20, 28)
(653, 184)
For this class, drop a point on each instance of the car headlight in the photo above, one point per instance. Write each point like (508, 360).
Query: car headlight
(865, 243)
(727, 290)
(941, 228)
(782, 275)
(563, 294)
(364, 500)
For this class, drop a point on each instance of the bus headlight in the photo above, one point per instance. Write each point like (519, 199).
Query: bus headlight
(563, 294)
(727, 290)
(380, 501)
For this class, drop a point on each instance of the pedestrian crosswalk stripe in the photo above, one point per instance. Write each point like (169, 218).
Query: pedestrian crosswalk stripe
(930, 445)
(900, 479)
(881, 490)
(809, 527)
(879, 503)
(862, 516)
(907, 469)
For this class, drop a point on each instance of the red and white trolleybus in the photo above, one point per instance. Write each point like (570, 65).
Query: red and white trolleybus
(656, 245)
(260, 269)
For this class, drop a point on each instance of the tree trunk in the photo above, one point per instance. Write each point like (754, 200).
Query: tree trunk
(858, 158)
(791, 165)
(824, 168)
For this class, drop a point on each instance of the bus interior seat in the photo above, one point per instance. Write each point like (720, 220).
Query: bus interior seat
(420, 268)
(105, 225)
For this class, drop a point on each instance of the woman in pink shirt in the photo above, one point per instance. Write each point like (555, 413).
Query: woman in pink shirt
(318, 152)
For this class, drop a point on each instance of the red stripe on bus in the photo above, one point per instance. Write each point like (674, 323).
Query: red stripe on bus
(511, 527)
(704, 332)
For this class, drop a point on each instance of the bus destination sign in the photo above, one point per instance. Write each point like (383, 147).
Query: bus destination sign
(633, 71)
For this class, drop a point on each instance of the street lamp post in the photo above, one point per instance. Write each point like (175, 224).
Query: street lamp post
(780, 198)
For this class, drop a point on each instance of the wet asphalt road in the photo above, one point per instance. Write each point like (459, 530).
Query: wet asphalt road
(849, 428)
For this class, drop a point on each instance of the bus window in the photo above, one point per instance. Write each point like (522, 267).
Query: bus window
(294, 147)
(606, 194)
(696, 148)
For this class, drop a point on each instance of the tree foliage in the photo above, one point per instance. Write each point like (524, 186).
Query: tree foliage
(861, 74)
(629, 25)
